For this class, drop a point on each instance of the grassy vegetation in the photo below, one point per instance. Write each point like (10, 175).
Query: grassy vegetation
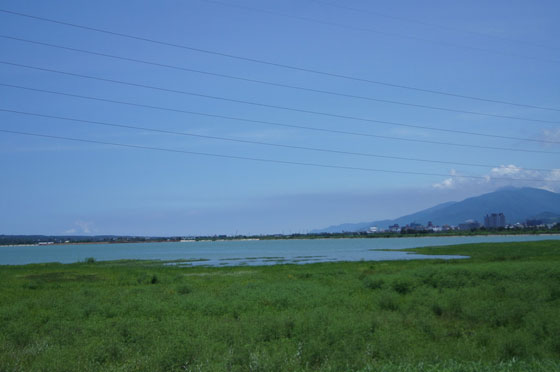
(498, 311)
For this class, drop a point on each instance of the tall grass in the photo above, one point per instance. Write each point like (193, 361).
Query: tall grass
(498, 311)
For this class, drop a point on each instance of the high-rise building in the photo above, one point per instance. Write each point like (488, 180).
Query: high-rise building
(494, 220)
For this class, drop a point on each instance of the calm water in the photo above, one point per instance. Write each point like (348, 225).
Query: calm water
(265, 252)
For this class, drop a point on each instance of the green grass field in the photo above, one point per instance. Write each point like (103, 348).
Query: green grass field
(498, 311)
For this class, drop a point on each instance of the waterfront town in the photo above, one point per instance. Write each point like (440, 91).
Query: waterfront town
(492, 221)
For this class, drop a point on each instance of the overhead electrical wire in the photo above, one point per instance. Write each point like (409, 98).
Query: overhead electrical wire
(429, 24)
(274, 123)
(285, 108)
(287, 162)
(282, 85)
(264, 160)
(229, 139)
(280, 65)
(378, 32)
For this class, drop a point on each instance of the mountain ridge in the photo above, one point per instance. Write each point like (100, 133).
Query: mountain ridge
(517, 204)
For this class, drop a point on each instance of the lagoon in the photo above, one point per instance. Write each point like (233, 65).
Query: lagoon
(253, 252)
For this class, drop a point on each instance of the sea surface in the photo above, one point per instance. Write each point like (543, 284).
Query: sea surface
(250, 252)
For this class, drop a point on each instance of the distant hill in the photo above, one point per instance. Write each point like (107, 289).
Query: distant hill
(517, 204)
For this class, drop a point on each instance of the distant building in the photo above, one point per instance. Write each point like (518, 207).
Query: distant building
(433, 228)
(534, 223)
(494, 220)
(372, 230)
(416, 226)
(516, 225)
(395, 228)
(469, 225)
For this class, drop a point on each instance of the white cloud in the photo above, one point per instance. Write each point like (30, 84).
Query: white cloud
(447, 183)
(452, 182)
(505, 170)
(554, 175)
(552, 135)
(504, 175)
(82, 227)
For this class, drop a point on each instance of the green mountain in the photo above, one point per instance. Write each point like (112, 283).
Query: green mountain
(517, 204)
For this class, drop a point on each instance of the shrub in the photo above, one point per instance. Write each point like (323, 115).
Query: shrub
(388, 302)
(437, 309)
(402, 286)
(513, 347)
(32, 284)
(373, 283)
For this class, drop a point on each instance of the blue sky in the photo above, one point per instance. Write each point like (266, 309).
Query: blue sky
(500, 50)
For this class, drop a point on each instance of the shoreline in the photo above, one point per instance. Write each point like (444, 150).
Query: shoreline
(285, 238)
(178, 253)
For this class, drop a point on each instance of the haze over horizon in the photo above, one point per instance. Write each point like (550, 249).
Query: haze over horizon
(376, 160)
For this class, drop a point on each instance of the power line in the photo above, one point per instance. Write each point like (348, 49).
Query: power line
(378, 32)
(273, 123)
(264, 160)
(272, 83)
(285, 108)
(128, 126)
(429, 24)
(280, 65)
